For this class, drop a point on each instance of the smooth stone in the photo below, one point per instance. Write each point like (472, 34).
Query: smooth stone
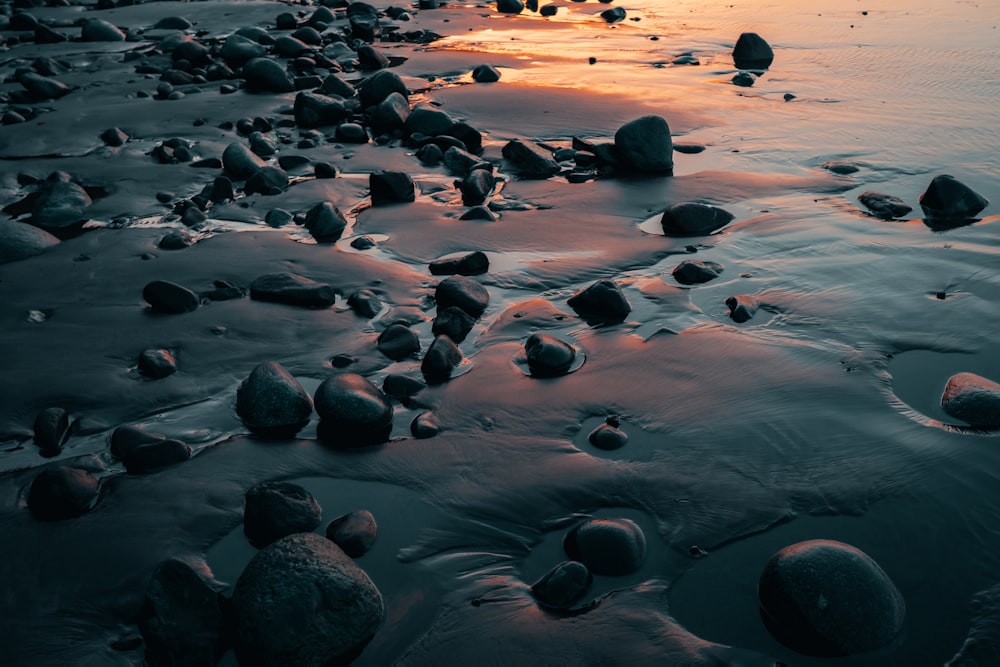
(172, 23)
(510, 6)
(240, 162)
(19, 240)
(125, 438)
(276, 509)
(744, 79)
(271, 400)
(325, 222)
(485, 74)
(827, 598)
(612, 547)
(401, 387)
(644, 145)
(613, 15)
(60, 204)
(742, 307)
(352, 411)
(608, 436)
(287, 46)
(336, 85)
(42, 87)
(379, 86)
(477, 186)
(238, 50)
(441, 359)
(695, 272)
(98, 30)
(428, 120)
(480, 213)
(352, 133)
(391, 187)
(398, 342)
(176, 239)
(184, 622)
(156, 455)
(973, 399)
(563, 586)
(390, 114)
(51, 429)
(167, 297)
(262, 145)
(307, 34)
(694, 219)
(529, 160)
(425, 425)
(470, 137)
(948, 199)
(884, 206)
(62, 492)
(354, 532)
(453, 322)
(472, 264)
(302, 601)
(313, 110)
(293, 290)
(267, 181)
(371, 59)
(752, 52)
(365, 303)
(465, 293)
(601, 303)
(157, 364)
(461, 162)
(267, 76)
(548, 356)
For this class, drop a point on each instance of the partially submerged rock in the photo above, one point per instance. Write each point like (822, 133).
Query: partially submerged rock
(694, 272)
(694, 219)
(440, 360)
(973, 399)
(293, 290)
(62, 492)
(607, 546)
(563, 586)
(352, 411)
(752, 52)
(529, 160)
(271, 400)
(354, 532)
(948, 199)
(644, 145)
(884, 206)
(276, 509)
(548, 356)
(601, 303)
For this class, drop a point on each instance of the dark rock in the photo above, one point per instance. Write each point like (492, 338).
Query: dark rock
(185, 624)
(21, 21)
(510, 6)
(276, 509)
(354, 532)
(191, 51)
(62, 492)
(644, 145)
(315, 110)
(267, 181)
(608, 436)
(613, 547)
(335, 85)
(470, 137)
(441, 359)
(60, 204)
(884, 206)
(167, 297)
(752, 52)
(172, 23)
(479, 213)
(325, 222)
(390, 114)
(841, 167)
(293, 290)
(287, 46)
(563, 586)
(303, 601)
(827, 598)
(19, 240)
(271, 400)
(471, 264)
(461, 162)
(364, 20)
(693, 219)
(176, 239)
(114, 137)
(267, 76)
(379, 86)
(262, 145)
(693, 272)
(401, 387)
(398, 342)
(365, 303)
(126, 438)
(371, 59)
(286, 21)
(43, 88)
(453, 322)
(601, 303)
(240, 162)
(425, 425)
(742, 307)
(477, 186)
(744, 79)
(222, 190)
(485, 74)
(463, 292)
(529, 160)
(46, 35)
(947, 199)
(390, 187)
(51, 429)
(352, 411)
(157, 364)
(973, 399)
(689, 149)
(153, 456)
(548, 356)
(429, 121)
(352, 133)
(98, 30)
(324, 170)
(613, 15)
(237, 50)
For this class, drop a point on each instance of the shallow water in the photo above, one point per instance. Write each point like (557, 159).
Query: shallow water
(818, 418)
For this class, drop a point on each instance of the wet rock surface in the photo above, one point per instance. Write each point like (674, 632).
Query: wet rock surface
(352, 411)
(271, 401)
(972, 398)
(607, 546)
(276, 509)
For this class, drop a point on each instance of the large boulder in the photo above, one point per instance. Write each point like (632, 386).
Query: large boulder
(302, 601)
(693, 219)
(352, 411)
(948, 199)
(270, 400)
(276, 509)
(644, 145)
(607, 546)
(972, 398)
(827, 598)
(752, 52)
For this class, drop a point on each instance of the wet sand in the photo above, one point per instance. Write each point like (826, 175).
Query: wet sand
(819, 417)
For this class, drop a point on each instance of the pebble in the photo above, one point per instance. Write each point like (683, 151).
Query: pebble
(453, 322)
(477, 186)
(325, 222)
(485, 74)
(884, 206)
(153, 456)
(693, 219)
(365, 303)
(157, 364)
(608, 436)
(425, 425)
(267, 76)
(398, 342)
(742, 307)
(529, 160)
(391, 187)
(313, 110)
(471, 264)
(240, 162)
(694, 272)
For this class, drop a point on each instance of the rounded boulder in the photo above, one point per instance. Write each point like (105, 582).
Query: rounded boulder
(352, 411)
(270, 399)
(607, 546)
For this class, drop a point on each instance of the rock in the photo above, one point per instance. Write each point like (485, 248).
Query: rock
(480, 213)
(548, 356)
(441, 359)
(744, 79)
(262, 145)
(126, 438)
(398, 342)
(237, 50)
(827, 598)
(529, 160)
(463, 292)
(425, 425)
(510, 6)
(485, 74)
(608, 436)
(43, 88)
(354, 532)
(470, 137)
(62, 492)
(157, 364)
(267, 76)
(184, 624)
(477, 186)
(379, 86)
(176, 239)
(97, 30)
(644, 145)
(46, 35)
(693, 219)
(302, 601)
(267, 181)
(192, 51)
(973, 399)
(167, 297)
(693, 272)
(153, 456)
(742, 307)
(453, 322)
(752, 52)
(884, 206)
(60, 204)
(352, 411)
(315, 110)
(364, 20)
(335, 85)
(563, 586)
(51, 429)
(276, 509)
(461, 162)
(325, 222)
(271, 400)
(613, 15)
(286, 21)
(402, 387)
(365, 303)
(371, 59)
(293, 290)
(19, 240)
(613, 547)
(390, 187)
(429, 121)
(240, 162)
(601, 303)
(287, 46)
(352, 133)
(471, 264)
(390, 114)
(948, 199)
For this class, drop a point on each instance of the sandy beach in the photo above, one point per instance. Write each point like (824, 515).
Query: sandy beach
(499, 277)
